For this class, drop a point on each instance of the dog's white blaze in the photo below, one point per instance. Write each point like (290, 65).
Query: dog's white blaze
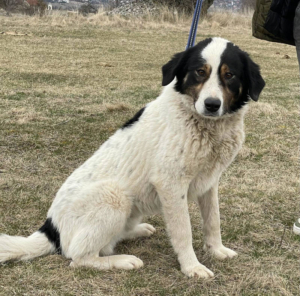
(212, 55)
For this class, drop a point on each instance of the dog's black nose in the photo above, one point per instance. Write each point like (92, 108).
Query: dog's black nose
(212, 104)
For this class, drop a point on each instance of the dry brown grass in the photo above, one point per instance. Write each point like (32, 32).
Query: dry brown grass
(163, 18)
(69, 84)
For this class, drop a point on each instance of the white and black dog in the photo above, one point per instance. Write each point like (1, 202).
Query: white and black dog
(172, 151)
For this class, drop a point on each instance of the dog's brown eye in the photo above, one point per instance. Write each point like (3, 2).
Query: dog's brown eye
(228, 75)
(201, 72)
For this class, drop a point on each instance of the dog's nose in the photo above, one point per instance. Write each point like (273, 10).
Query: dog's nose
(212, 104)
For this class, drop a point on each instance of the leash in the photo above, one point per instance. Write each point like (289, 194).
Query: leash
(193, 31)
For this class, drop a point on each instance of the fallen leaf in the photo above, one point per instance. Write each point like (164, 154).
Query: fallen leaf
(10, 33)
(105, 65)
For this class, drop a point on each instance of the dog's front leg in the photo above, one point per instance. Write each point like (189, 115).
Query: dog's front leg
(209, 206)
(176, 215)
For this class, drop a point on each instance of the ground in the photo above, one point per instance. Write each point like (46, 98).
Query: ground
(70, 82)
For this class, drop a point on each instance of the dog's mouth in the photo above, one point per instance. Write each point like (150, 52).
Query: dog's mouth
(214, 115)
(211, 114)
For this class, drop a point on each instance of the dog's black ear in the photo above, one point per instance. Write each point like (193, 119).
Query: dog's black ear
(254, 80)
(170, 69)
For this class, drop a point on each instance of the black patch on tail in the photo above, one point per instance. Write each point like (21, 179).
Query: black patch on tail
(52, 234)
(134, 119)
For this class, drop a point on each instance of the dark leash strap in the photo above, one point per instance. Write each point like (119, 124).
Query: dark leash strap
(193, 31)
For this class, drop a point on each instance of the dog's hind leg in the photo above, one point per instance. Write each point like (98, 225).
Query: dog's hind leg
(133, 229)
(140, 230)
(102, 215)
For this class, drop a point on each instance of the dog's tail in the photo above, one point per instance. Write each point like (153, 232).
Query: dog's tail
(25, 248)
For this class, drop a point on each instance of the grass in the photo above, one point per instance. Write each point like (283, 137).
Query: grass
(66, 87)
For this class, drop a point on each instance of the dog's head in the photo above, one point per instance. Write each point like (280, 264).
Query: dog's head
(217, 75)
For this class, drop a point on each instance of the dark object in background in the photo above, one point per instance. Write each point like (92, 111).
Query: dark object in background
(273, 20)
(85, 9)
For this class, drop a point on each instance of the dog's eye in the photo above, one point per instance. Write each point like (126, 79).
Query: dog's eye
(228, 75)
(201, 72)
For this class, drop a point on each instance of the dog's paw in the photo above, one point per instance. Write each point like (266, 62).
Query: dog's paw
(144, 229)
(221, 252)
(109, 262)
(126, 262)
(199, 271)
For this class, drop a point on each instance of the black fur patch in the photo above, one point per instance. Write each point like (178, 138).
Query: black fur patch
(182, 63)
(246, 74)
(134, 119)
(52, 234)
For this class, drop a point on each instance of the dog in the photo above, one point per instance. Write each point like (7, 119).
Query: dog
(172, 151)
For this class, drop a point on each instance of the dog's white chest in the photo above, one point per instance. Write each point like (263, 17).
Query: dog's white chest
(216, 156)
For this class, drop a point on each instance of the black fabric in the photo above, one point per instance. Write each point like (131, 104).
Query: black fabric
(280, 19)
